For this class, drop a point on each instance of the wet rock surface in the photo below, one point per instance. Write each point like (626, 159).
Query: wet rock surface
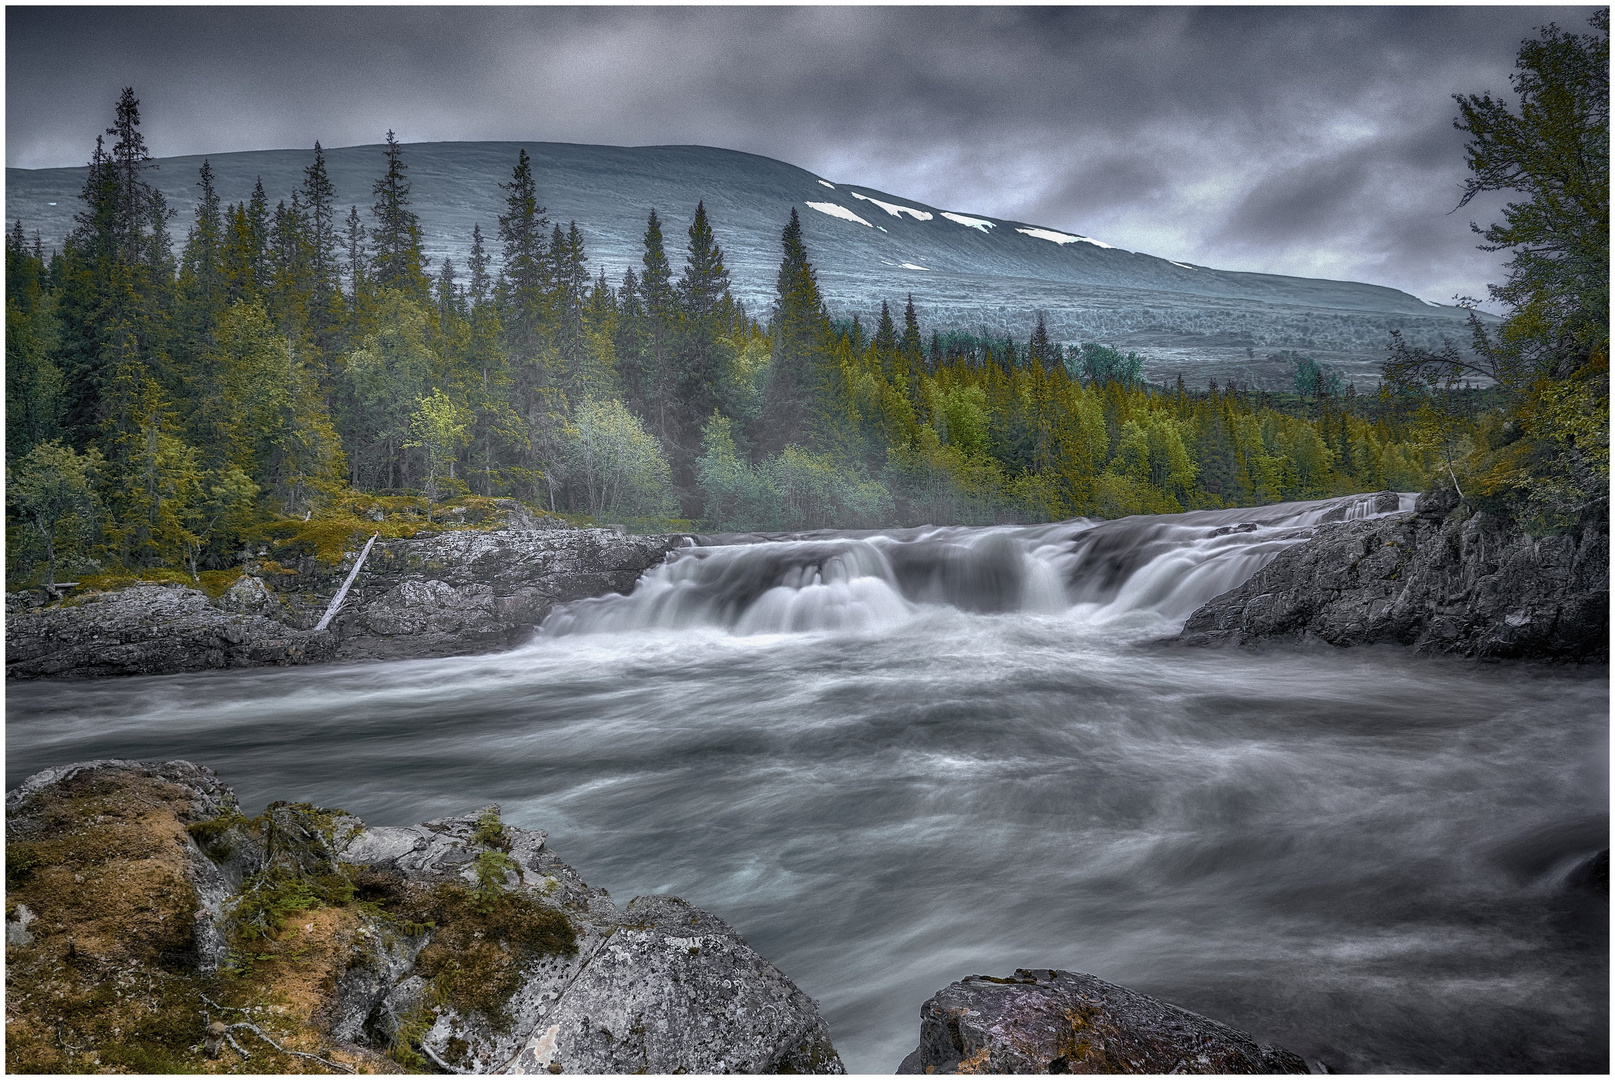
(1439, 581)
(459, 945)
(148, 630)
(1051, 1021)
(447, 594)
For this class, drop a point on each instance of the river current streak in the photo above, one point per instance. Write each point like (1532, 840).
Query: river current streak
(895, 759)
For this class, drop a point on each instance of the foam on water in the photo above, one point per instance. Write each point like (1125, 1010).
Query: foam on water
(1131, 569)
(894, 759)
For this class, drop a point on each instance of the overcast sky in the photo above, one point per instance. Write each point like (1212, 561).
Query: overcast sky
(1314, 141)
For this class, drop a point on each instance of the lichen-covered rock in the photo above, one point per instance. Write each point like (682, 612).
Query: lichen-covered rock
(1440, 582)
(462, 944)
(1050, 1021)
(471, 591)
(443, 594)
(149, 630)
(672, 987)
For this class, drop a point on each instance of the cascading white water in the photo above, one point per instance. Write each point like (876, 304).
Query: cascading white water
(1160, 568)
(1373, 858)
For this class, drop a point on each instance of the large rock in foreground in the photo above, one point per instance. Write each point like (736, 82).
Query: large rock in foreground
(1049, 1021)
(1440, 582)
(142, 905)
(455, 592)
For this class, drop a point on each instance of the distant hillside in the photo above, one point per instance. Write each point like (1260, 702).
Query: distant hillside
(964, 270)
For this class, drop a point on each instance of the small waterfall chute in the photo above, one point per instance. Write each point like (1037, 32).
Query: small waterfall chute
(1162, 567)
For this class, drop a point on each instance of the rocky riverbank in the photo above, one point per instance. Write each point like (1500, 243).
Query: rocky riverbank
(152, 927)
(1441, 579)
(1050, 1021)
(444, 594)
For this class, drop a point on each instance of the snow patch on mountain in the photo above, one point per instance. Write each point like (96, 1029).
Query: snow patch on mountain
(835, 210)
(911, 266)
(1186, 266)
(894, 209)
(827, 184)
(980, 224)
(1063, 238)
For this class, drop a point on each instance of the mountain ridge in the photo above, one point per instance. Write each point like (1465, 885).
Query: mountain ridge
(868, 245)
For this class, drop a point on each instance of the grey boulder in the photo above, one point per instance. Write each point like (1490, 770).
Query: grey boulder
(1050, 1021)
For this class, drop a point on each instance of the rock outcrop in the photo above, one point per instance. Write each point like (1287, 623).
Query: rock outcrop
(1049, 1021)
(142, 906)
(1436, 580)
(440, 595)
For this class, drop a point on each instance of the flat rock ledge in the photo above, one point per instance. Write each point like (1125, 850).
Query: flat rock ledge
(453, 593)
(1051, 1021)
(135, 917)
(1439, 581)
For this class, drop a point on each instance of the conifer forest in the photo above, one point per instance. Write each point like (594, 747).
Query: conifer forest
(284, 372)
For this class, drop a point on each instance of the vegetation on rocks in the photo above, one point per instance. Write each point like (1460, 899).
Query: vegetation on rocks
(111, 978)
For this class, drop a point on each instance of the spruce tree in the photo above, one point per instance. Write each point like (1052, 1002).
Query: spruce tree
(703, 357)
(201, 294)
(396, 260)
(323, 246)
(477, 289)
(912, 350)
(1039, 351)
(656, 291)
(525, 270)
(258, 232)
(801, 337)
(656, 284)
(569, 271)
(705, 281)
(885, 343)
(128, 162)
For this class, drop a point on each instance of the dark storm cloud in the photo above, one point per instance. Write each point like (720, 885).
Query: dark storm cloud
(1297, 140)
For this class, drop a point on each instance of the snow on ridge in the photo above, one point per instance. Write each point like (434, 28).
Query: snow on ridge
(837, 211)
(827, 184)
(1065, 238)
(979, 224)
(1432, 303)
(911, 266)
(894, 209)
(1186, 266)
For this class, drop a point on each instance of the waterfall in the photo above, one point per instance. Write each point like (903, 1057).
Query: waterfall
(1162, 567)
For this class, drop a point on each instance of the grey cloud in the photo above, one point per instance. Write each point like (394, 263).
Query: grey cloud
(1254, 138)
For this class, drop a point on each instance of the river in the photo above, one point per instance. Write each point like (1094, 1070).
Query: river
(895, 759)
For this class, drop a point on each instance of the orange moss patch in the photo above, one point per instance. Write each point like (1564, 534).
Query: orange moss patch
(110, 981)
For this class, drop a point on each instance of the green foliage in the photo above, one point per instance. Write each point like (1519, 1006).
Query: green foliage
(617, 464)
(490, 831)
(439, 427)
(268, 898)
(492, 869)
(52, 490)
(1312, 380)
(1096, 363)
(1552, 148)
(1539, 449)
(36, 391)
(212, 834)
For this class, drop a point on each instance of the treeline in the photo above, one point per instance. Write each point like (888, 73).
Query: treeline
(163, 406)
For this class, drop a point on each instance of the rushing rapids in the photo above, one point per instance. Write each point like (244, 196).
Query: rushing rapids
(962, 761)
(1163, 567)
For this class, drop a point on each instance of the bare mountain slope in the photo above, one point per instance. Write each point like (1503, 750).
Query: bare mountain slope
(966, 271)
